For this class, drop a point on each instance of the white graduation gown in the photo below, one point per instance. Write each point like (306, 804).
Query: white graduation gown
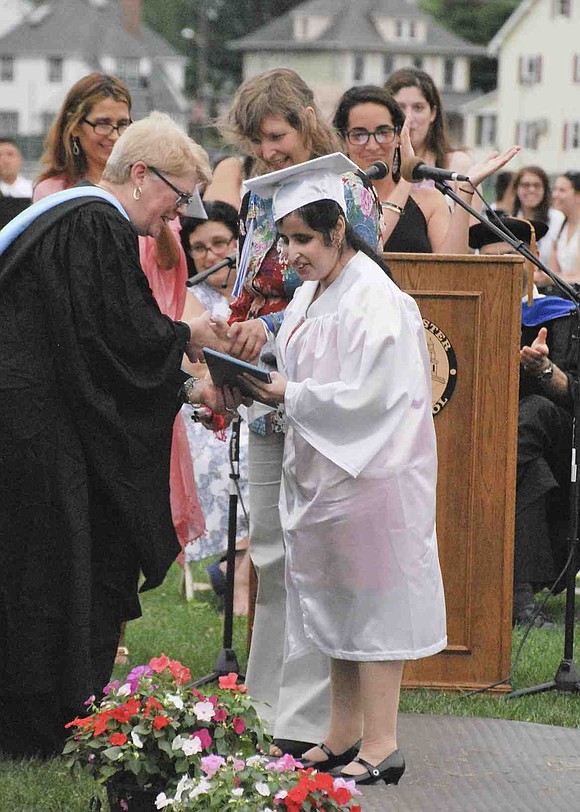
(359, 475)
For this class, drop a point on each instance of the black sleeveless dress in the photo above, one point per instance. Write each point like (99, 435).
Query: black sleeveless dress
(410, 234)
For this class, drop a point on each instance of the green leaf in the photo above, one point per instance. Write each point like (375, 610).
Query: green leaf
(113, 753)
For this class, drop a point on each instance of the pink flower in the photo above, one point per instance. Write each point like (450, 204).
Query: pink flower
(238, 764)
(284, 763)
(211, 764)
(111, 686)
(204, 737)
(239, 725)
(220, 715)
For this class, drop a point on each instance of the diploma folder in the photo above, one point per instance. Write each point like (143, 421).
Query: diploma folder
(225, 369)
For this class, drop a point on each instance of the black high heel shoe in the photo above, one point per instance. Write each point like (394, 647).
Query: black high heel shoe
(333, 760)
(390, 770)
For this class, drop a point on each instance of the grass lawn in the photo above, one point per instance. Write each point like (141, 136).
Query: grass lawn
(192, 633)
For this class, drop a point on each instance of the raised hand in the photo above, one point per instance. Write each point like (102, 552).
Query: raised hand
(534, 358)
(494, 161)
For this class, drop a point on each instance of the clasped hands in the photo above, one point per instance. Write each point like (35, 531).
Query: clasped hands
(243, 340)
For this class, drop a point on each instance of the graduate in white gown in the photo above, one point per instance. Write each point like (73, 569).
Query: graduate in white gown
(359, 476)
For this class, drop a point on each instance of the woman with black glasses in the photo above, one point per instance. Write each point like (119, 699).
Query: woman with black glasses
(94, 115)
(373, 128)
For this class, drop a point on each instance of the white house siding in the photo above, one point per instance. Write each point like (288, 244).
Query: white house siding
(556, 98)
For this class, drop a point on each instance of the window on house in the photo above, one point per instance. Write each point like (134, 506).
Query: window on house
(448, 72)
(418, 62)
(8, 122)
(529, 132)
(412, 29)
(485, 130)
(128, 71)
(571, 135)
(530, 69)
(388, 65)
(6, 68)
(46, 120)
(359, 68)
(399, 29)
(576, 68)
(55, 69)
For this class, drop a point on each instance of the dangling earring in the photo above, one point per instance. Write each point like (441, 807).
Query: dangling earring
(76, 150)
(137, 192)
(396, 162)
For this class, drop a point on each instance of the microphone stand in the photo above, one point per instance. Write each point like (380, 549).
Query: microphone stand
(227, 661)
(567, 677)
(230, 262)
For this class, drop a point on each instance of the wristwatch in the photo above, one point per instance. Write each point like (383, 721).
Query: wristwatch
(546, 375)
(187, 388)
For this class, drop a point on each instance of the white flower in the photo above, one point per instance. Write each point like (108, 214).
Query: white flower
(202, 788)
(162, 801)
(191, 746)
(253, 760)
(204, 711)
(238, 792)
(185, 784)
(177, 743)
(135, 739)
(175, 700)
(124, 690)
(262, 789)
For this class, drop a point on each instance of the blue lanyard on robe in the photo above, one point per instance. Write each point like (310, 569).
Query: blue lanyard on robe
(20, 223)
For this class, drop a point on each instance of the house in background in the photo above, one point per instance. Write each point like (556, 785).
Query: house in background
(335, 44)
(57, 43)
(12, 12)
(537, 101)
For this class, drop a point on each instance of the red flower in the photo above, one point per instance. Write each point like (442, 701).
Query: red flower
(355, 808)
(117, 739)
(239, 725)
(101, 722)
(324, 781)
(159, 664)
(204, 737)
(160, 722)
(341, 795)
(124, 712)
(78, 722)
(220, 715)
(299, 793)
(152, 703)
(180, 673)
(230, 683)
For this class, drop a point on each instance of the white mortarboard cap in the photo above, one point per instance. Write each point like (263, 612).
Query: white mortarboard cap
(196, 207)
(295, 186)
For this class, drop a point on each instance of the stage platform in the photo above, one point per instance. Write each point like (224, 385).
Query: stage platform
(459, 764)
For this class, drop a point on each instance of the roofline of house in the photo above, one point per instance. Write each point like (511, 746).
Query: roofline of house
(520, 12)
(329, 45)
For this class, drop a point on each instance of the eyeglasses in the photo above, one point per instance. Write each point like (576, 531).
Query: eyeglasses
(382, 135)
(199, 249)
(183, 199)
(105, 128)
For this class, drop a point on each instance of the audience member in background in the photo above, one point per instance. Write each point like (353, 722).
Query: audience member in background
(566, 252)
(504, 192)
(95, 114)
(547, 374)
(416, 94)
(12, 184)
(207, 242)
(373, 127)
(226, 182)
(532, 202)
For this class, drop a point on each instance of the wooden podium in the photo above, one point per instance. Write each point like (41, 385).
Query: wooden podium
(471, 310)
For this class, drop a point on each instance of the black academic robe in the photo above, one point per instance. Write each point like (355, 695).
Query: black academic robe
(89, 384)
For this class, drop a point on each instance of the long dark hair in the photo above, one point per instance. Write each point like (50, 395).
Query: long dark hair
(217, 212)
(323, 216)
(369, 94)
(437, 136)
(541, 210)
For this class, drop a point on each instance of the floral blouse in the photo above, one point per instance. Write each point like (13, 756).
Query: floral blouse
(269, 283)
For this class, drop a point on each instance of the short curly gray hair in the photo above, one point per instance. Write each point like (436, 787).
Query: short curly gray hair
(157, 141)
